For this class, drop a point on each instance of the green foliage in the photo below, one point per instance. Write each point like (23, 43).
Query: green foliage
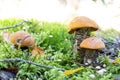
(57, 43)
(54, 74)
(109, 34)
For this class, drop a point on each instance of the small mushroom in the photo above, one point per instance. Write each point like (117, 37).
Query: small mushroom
(24, 40)
(81, 26)
(91, 46)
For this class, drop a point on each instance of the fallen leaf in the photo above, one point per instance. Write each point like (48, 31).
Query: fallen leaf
(116, 60)
(68, 72)
(37, 50)
(6, 36)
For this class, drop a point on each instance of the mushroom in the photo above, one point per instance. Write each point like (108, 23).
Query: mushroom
(24, 40)
(81, 26)
(91, 46)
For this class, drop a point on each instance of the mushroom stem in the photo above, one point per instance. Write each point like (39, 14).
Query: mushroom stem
(79, 36)
(91, 57)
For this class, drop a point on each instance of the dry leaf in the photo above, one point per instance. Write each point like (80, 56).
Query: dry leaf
(68, 72)
(6, 36)
(37, 50)
(116, 60)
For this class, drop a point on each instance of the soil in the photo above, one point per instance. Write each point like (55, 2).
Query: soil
(112, 48)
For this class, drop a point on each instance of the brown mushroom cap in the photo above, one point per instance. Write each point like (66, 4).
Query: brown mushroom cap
(92, 43)
(82, 22)
(26, 39)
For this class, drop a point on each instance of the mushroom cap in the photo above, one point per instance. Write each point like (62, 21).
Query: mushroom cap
(23, 38)
(82, 22)
(92, 43)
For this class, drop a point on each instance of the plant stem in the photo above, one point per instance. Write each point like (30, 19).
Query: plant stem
(16, 25)
(29, 62)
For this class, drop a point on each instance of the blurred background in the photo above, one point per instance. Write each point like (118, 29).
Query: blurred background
(105, 12)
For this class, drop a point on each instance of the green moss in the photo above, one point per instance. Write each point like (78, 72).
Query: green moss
(57, 43)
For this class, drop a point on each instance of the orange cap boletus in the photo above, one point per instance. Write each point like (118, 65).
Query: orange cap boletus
(92, 43)
(23, 38)
(82, 22)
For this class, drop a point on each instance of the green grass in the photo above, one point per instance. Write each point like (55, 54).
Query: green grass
(57, 43)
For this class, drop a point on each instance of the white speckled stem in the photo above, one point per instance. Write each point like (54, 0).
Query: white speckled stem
(91, 57)
(79, 36)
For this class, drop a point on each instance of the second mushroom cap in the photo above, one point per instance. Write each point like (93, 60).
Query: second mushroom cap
(92, 43)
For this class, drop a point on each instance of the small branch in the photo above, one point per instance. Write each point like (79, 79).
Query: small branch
(29, 62)
(8, 27)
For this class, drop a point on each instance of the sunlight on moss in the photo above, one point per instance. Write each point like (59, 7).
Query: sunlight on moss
(57, 43)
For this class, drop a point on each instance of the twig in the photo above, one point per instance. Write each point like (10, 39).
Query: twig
(29, 62)
(16, 25)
